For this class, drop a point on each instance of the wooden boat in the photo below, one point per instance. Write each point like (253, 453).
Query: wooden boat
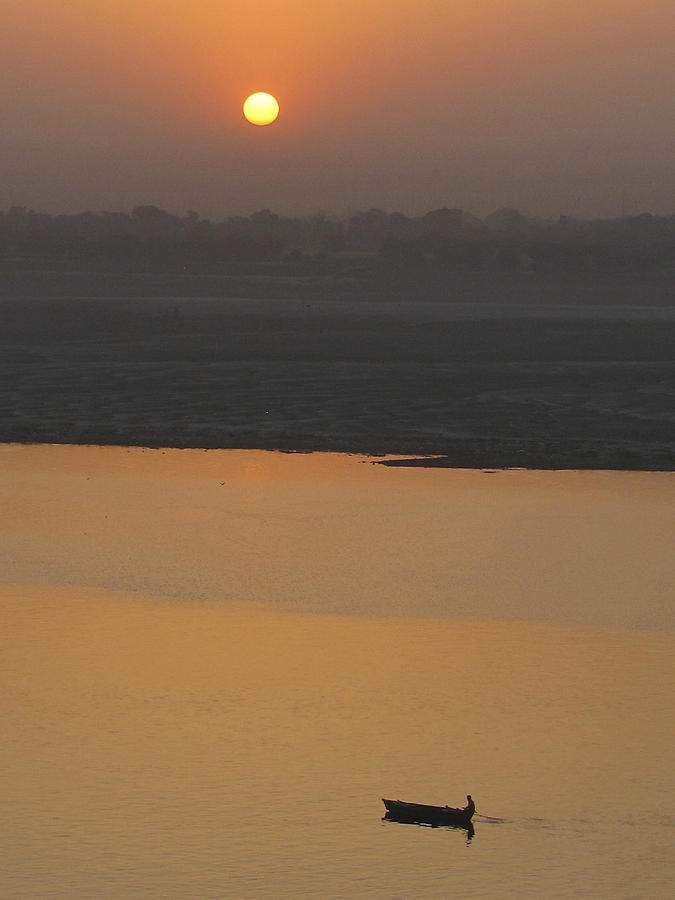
(428, 815)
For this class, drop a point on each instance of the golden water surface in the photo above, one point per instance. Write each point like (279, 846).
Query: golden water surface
(215, 664)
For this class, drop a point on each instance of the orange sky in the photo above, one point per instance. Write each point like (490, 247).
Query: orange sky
(552, 106)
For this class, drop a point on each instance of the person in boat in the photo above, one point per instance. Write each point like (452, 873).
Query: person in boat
(470, 807)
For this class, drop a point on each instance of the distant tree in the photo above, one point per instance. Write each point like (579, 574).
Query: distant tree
(151, 221)
(121, 249)
(366, 230)
(460, 254)
(444, 219)
(556, 254)
(508, 219)
(402, 254)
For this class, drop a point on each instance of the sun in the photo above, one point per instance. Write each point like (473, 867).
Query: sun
(261, 108)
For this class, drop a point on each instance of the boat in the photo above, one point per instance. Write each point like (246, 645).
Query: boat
(420, 813)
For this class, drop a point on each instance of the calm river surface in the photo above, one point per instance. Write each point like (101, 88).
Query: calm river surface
(215, 663)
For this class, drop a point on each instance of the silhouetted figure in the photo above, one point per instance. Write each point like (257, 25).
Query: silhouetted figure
(470, 805)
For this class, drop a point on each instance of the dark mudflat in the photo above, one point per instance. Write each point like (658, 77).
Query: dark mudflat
(475, 386)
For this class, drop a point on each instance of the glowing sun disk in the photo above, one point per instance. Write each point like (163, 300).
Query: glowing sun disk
(261, 108)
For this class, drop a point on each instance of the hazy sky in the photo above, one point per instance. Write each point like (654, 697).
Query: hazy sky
(551, 106)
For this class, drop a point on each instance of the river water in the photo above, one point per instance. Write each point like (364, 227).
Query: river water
(215, 664)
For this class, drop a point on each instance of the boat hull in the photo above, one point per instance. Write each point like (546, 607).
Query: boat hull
(420, 813)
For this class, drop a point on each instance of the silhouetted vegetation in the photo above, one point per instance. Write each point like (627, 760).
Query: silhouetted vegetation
(443, 238)
(373, 247)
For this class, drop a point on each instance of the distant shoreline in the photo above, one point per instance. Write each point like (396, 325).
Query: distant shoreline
(554, 459)
(575, 289)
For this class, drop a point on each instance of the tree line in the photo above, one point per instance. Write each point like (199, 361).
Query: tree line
(443, 240)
